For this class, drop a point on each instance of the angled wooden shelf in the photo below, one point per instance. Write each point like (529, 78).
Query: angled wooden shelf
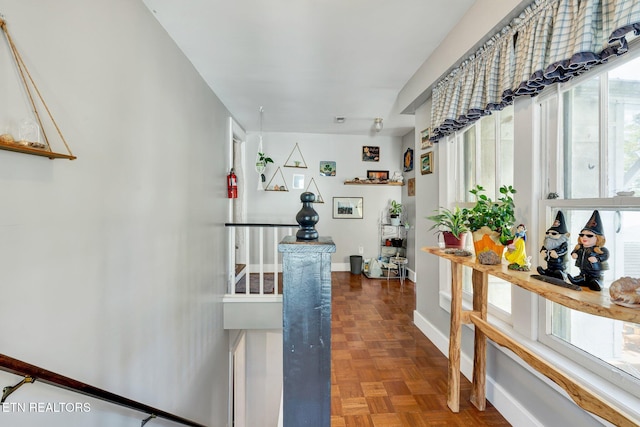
(35, 151)
(30, 86)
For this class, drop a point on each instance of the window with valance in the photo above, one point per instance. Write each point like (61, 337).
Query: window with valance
(551, 41)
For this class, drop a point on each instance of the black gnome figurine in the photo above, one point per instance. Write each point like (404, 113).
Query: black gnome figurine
(307, 218)
(555, 249)
(590, 254)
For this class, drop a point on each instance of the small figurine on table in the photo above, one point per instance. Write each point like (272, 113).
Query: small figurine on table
(590, 254)
(555, 249)
(516, 253)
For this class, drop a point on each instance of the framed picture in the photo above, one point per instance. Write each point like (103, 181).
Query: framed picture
(347, 207)
(298, 182)
(408, 160)
(424, 138)
(426, 163)
(379, 175)
(327, 168)
(370, 154)
(411, 187)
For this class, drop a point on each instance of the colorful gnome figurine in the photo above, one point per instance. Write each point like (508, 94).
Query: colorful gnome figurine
(516, 253)
(555, 249)
(590, 254)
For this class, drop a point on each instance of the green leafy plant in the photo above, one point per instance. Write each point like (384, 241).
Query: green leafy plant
(396, 208)
(262, 158)
(453, 221)
(497, 215)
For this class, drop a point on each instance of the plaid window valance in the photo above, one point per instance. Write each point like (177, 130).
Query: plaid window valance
(550, 41)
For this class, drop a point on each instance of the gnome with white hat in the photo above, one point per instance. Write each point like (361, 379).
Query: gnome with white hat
(590, 254)
(555, 249)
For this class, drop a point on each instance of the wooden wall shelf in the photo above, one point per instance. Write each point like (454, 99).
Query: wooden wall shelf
(30, 87)
(364, 182)
(35, 151)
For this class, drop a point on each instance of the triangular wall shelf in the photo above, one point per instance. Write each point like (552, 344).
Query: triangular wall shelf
(28, 146)
(319, 198)
(276, 187)
(296, 163)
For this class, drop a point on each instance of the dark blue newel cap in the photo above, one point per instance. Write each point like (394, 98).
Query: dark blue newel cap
(307, 218)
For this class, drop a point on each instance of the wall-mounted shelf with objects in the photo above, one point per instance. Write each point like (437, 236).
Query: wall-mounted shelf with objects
(35, 151)
(296, 163)
(319, 198)
(373, 182)
(276, 187)
(28, 140)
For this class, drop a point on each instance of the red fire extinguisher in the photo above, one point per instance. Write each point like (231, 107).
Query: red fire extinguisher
(232, 185)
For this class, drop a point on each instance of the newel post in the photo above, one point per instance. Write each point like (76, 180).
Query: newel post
(306, 318)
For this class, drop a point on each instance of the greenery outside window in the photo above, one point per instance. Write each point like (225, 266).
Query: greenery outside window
(591, 137)
(486, 157)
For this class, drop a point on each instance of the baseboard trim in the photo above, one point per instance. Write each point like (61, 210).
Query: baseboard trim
(505, 403)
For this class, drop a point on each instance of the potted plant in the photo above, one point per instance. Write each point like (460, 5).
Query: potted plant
(394, 212)
(453, 226)
(261, 164)
(491, 223)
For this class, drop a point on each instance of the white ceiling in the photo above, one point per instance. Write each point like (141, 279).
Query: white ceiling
(306, 61)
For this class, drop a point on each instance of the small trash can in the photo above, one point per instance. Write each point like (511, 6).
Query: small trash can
(356, 264)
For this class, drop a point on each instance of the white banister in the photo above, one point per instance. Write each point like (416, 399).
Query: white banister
(258, 247)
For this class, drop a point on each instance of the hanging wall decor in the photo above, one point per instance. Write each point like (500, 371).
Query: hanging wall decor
(279, 184)
(319, 198)
(426, 163)
(425, 142)
(327, 168)
(298, 159)
(27, 137)
(370, 154)
(408, 160)
(411, 187)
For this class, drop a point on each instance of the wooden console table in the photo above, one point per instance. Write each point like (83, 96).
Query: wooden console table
(596, 303)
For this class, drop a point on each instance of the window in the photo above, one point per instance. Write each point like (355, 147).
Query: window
(486, 157)
(597, 158)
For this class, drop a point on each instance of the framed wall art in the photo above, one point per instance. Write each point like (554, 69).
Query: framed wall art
(411, 187)
(424, 139)
(327, 168)
(347, 207)
(379, 175)
(370, 154)
(426, 163)
(408, 160)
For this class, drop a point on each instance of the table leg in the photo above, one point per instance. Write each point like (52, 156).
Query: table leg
(480, 282)
(455, 335)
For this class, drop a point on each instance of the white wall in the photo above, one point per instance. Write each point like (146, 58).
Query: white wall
(346, 151)
(409, 202)
(264, 376)
(111, 265)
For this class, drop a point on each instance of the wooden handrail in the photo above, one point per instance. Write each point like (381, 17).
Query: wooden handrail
(18, 367)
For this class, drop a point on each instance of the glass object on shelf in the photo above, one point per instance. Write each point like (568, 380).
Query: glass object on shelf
(28, 132)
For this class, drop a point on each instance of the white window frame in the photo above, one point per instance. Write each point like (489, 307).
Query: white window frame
(550, 105)
(450, 156)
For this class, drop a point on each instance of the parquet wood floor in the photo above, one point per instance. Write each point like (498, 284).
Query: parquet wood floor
(385, 372)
